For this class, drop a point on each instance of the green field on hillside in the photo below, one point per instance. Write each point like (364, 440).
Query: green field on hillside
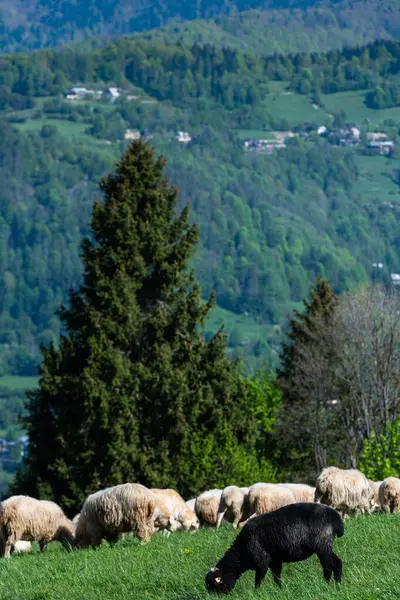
(298, 108)
(174, 569)
(295, 108)
(69, 129)
(376, 179)
(352, 103)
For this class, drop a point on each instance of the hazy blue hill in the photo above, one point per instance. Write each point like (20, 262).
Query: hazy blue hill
(262, 26)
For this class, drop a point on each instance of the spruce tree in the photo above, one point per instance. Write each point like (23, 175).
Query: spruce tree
(303, 413)
(302, 326)
(133, 392)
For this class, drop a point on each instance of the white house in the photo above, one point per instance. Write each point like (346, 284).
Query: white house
(132, 134)
(113, 93)
(395, 277)
(321, 130)
(78, 93)
(183, 137)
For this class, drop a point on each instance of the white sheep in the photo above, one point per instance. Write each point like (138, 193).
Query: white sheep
(128, 507)
(375, 503)
(177, 507)
(206, 507)
(389, 494)
(301, 491)
(267, 497)
(233, 505)
(347, 491)
(30, 520)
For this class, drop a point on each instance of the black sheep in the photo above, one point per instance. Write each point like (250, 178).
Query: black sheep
(289, 534)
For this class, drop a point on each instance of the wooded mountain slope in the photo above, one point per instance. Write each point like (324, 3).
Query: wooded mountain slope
(269, 224)
(271, 25)
(314, 29)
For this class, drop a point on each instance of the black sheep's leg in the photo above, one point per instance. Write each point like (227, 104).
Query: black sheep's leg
(337, 568)
(330, 562)
(113, 539)
(261, 567)
(325, 558)
(276, 570)
(43, 545)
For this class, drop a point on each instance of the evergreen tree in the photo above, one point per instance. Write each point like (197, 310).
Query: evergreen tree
(133, 392)
(322, 302)
(303, 412)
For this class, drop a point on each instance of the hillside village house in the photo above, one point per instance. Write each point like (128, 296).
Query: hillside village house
(132, 134)
(78, 93)
(382, 147)
(113, 93)
(183, 137)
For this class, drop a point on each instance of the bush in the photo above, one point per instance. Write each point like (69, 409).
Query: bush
(381, 454)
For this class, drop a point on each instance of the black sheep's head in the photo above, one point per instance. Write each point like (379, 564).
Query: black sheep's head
(219, 582)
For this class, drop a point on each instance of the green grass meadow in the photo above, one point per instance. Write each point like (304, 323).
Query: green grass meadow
(174, 569)
(297, 108)
(376, 178)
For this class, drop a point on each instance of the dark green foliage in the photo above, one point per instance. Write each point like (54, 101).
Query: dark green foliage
(133, 393)
(302, 412)
(322, 301)
(385, 95)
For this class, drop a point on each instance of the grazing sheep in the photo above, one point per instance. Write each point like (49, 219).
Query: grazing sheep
(267, 497)
(301, 491)
(289, 534)
(191, 504)
(389, 494)
(206, 507)
(347, 491)
(375, 502)
(30, 520)
(177, 507)
(129, 507)
(233, 505)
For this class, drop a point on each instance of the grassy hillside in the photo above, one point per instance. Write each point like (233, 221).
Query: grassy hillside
(174, 569)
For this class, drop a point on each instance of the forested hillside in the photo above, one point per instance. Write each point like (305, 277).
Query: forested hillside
(263, 26)
(318, 28)
(270, 222)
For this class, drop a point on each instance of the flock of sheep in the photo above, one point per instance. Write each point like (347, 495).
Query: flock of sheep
(131, 508)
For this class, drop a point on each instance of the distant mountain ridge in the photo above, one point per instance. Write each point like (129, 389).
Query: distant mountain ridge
(314, 29)
(32, 24)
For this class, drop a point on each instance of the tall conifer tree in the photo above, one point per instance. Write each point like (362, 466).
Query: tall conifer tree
(320, 305)
(300, 408)
(133, 393)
